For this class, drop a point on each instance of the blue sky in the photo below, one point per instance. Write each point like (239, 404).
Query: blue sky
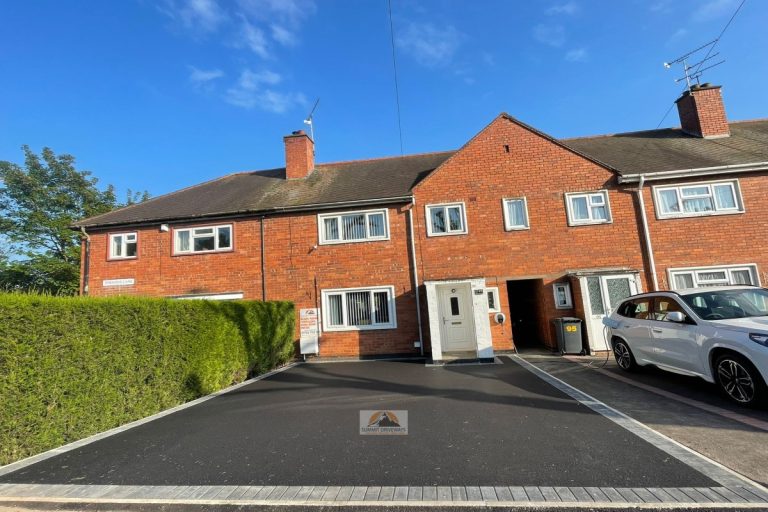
(162, 94)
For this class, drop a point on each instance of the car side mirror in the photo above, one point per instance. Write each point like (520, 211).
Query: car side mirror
(676, 316)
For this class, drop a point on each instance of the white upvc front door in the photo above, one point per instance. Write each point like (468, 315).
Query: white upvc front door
(601, 294)
(457, 330)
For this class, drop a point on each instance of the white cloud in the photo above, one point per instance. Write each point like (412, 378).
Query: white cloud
(679, 34)
(552, 35)
(284, 17)
(253, 38)
(569, 8)
(203, 76)
(430, 45)
(714, 9)
(252, 91)
(577, 55)
(197, 15)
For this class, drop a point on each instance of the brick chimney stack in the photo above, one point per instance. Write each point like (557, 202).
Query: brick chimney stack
(702, 113)
(299, 155)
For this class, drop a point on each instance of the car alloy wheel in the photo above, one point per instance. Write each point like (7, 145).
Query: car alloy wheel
(623, 356)
(736, 380)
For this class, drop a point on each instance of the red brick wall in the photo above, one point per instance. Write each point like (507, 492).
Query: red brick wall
(483, 173)
(296, 271)
(702, 113)
(712, 239)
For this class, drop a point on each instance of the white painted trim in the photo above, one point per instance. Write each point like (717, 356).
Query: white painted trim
(15, 466)
(507, 225)
(568, 295)
(211, 296)
(495, 291)
(321, 232)
(693, 172)
(215, 227)
(428, 219)
(112, 257)
(751, 267)
(574, 223)
(327, 327)
(738, 198)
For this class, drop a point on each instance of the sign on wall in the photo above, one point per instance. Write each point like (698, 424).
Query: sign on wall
(119, 282)
(309, 328)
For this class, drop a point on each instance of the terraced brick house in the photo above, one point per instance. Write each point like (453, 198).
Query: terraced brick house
(475, 250)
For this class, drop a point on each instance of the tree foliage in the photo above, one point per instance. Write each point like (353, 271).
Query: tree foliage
(38, 204)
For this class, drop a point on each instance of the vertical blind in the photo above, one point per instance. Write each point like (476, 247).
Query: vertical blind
(359, 308)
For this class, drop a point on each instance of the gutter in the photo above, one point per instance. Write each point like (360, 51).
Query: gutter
(415, 273)
(253, 213)
(86, 260)
(698, 171)
(647, 234)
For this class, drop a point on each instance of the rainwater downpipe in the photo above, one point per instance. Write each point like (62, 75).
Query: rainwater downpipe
(647, 234)
(86, 259)
(415, 273)
(263, 264)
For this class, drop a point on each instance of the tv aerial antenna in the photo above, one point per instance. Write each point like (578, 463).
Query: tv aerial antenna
(692, 72)
(309, 121)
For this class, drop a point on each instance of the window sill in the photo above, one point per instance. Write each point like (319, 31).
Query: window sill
(122, 258)
(224, 251)
(458, 233)
(660, 216)
(360, 328)
(343, 242)
(517, 228)
(591, 223)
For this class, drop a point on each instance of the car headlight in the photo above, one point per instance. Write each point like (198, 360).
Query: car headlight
(759, 338)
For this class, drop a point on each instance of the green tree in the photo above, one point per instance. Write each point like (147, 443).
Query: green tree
(38, 204)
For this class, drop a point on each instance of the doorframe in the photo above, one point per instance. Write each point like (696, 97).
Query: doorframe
(480, 318)
(595, 340)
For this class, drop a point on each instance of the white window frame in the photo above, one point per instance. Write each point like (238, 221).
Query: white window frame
(735, 187)
(588, 196)
(507, 222)
(192, 237)
(493, 290)
(123, 245)
(445, 206)
(566, 287)
(338, 215)
(327, 326)
(728, 269)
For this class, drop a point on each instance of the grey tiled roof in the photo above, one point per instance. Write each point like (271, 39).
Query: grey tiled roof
(263, 191)
(670, 149)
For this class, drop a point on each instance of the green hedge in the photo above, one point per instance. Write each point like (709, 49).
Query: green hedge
(71, 367)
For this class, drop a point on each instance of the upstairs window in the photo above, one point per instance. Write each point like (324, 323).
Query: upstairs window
(203, 239)
(588, 208)
(446, 219)
(715, 198)
(515, 214)
(122, 246)
(337, 228)
(359, 309)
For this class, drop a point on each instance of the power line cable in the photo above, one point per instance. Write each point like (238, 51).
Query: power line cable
(394, 67)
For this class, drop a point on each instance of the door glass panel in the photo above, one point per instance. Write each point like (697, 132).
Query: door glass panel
(595, 295)
(455, 306)
(618, 289)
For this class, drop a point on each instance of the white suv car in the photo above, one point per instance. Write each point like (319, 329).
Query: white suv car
(719, 334)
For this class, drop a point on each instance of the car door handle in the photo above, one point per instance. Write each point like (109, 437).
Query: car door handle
(657, 330)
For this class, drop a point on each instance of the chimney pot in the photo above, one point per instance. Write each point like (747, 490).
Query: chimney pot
(702, 113)
(299, 155)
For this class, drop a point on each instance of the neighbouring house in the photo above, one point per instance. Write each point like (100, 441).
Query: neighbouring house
(475, 250)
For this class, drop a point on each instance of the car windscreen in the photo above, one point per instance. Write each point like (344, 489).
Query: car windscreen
(726, 304)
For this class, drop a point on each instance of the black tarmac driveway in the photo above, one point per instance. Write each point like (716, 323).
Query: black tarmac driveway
(468, 425)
